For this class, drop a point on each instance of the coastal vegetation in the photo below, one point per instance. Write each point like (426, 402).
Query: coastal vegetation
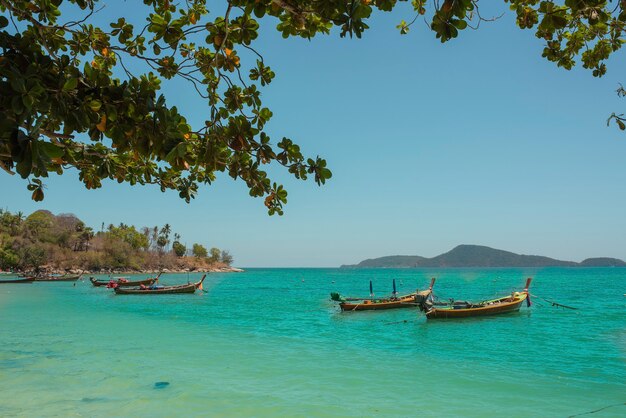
(481, 256)
(65, 107)
(45, 240)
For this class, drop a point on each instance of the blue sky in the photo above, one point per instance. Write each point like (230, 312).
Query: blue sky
(477, 141)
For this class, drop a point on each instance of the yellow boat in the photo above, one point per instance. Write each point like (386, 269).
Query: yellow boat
(375, 304)
(506, 304)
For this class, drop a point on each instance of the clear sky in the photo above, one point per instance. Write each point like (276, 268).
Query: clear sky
(477, 141)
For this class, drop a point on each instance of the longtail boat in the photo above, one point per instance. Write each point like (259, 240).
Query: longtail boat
(374, 304)
(123, 282)
(463, 309)
(24, 280)
(64, 278)
(161, 290)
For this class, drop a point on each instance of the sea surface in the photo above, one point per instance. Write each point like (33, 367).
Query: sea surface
(270, 343)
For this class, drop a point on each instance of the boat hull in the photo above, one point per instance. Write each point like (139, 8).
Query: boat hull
(501, 306)
(27, 280)
(163, 291)
(57, 279)
(367, 305)
(146, 282)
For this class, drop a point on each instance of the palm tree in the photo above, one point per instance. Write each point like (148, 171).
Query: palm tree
(164, 237)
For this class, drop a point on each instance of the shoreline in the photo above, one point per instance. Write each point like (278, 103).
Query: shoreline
(123, 271)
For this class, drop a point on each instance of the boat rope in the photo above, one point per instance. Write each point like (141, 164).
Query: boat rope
(598, 410)
(356, 306)
(553, 303)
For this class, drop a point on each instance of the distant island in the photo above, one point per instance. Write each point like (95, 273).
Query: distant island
(480, 256)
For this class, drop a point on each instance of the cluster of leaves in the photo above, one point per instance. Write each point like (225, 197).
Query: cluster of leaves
(27, 242)
(199, 251)
(63, 106)
(620, 119)
(214, 255)
(179, 249)
(588, 30)
(129, 235)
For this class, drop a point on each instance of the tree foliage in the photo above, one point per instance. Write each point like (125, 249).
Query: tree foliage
(214, 255)
(226, 258)
(620, 119)
(64, 241)
(30, 242)
(199, 251)
(63, 106)
(76, 95)
(179, 249)
(129, 235)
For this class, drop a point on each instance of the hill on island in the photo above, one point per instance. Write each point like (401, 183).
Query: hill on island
(481, 256)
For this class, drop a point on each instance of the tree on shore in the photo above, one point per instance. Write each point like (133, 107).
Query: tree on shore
(64, 107)
(129, 235)
(214, 255)
(199, 251)
(226, 258)
(179, 249)
(162, 237)
(64, 241)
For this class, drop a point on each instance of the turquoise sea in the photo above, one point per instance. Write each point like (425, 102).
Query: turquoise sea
(270, 343)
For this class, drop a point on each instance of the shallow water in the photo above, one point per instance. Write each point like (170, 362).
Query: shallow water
(269, 342)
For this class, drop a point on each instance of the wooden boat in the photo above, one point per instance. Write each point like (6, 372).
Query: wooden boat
(462, 309)
(23, 280)
(64, 278)
(355, 304)
(374, 304)
(161, 290)
(122, 282)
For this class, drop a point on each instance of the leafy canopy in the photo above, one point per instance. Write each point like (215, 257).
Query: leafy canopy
(199, 251)
(70, 100)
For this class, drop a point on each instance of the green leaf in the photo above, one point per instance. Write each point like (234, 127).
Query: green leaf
(18, 84)
(51, 150)
(37, 195)
(70, 84)
(181, 149)
(95, 105)
(28, 101)
(24, 167)
(4, 22)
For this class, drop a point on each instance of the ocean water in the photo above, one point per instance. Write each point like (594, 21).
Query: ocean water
(269, 342)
